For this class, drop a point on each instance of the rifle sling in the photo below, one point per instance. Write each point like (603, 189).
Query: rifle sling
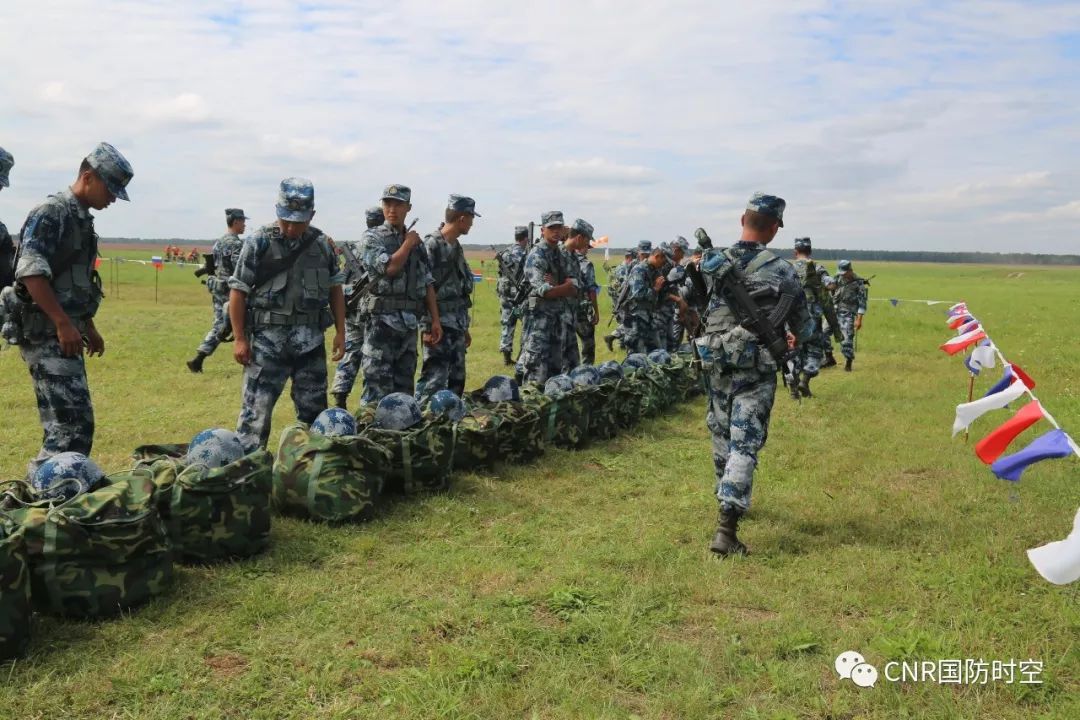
(267, 271)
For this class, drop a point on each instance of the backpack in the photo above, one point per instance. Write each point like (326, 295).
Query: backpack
(15, 609)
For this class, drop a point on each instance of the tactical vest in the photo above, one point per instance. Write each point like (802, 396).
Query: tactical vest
(721, 318)
(454, 283)
(224, 271)
(848, 292)
(811, 282)
(402, 293)
(510, 262)
(558, 276)
(298, 295)
(638, 305)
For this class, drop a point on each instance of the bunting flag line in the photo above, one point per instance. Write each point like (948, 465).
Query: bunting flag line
(994, 444)
(961, 342)
(958, 320)
(1054, 444)
(968, 413)
(1059, 562)
(967, 327)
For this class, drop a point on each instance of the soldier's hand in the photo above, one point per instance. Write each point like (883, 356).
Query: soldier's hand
(790, 341)
(242, 351)
(435, 335)
(858, 322)
(659, 283)
(71, 341)
(595, 319)
(95, 344)
(468, 339)
(548, 278)
(412, 239)
(338, 348)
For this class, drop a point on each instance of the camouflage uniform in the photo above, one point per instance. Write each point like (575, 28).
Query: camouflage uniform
(226, 252)
(60, 228)
(544, 336)
(513, 258)
(811, 352)
(7, 246)
(585, 329)
(393, 307)
(639, 331)
(444, 364)
(349, 365)
(850, 300)
(286, 317)
(571, 354)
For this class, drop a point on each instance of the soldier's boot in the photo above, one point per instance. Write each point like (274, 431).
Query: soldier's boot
(519, 378)
(195, 363)
(725, 542)
(507, 357)
(341, 400)
(609, 340)
(588, 359)
(830, 361)
(804, 386)
(847, 365)
(793, 388)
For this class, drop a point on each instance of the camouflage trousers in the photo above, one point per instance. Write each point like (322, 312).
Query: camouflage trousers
(443, 367)
(846, 318)
(571, 355)
(663, 317)
(221, 318)
(811, 352)
(388, 362)
(676, 333)
(543, 342)
(826, 337)
(508, 320)
(63, 400)
(585, 330)
(639, 333)
(272, 363)
(740, 402)
(349, 366)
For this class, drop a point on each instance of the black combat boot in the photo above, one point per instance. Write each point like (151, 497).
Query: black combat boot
(588, 360)
(507, 358)
(609, 340)
(195, 363)
(830, 361)
(725, 542)
(804, 386)
(519, 378)
(847, 365)
(341, 400)
(793, 388)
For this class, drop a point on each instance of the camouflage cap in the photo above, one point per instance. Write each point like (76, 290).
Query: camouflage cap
(630, 253)
(234, 214)
(844, 265)
(552, 218)
(112, 167)
(374, 216)
(582, 227)
(521, 232)
(644, 246)
(768, 205)
(681, 243)
(461, 203)
(802, 243)
(7, 161)
(397, 192)
(296, 200)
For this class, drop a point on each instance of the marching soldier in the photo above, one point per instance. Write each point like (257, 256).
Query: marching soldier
(347, 369)
(850, 299)
(226, 251)
(511, 275)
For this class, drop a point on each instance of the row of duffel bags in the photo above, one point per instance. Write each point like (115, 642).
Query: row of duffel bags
(113, 548)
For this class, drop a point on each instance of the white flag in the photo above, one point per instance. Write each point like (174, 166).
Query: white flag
(1059, 562)
(967, 413)
(984, 356)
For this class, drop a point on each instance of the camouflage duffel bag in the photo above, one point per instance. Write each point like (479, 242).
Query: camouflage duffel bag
(652, 391)
(603, 416)
(98, 553)
(212, 514)
(329, 479)
(565, 421)
(679, 375)
(476, 443)
(15, 607)
(627, 400)
(421, 458)
(520, 434)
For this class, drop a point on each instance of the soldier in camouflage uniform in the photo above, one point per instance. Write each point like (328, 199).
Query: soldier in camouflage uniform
(570, 310)
(285, 292)
(347, 369)
(7, 246)
(444, 362)
(669, 322)
(511, 264)
(811, 352)
(741, 372)
(827, 331)
(850, 299)
(588, 314)
(551, 283)
(616, 278)
(401, 289)
(638, 306)
(57, 292)
(226, 251)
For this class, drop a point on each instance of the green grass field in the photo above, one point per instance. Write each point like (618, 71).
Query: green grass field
(581, 586)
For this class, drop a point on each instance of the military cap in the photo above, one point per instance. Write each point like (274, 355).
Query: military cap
(630, 253)
(521, 232)
(681, 243)
(844, 265)
(460, 203)
(374, 216)
(397, 192)
(552, 218)
(644, 246)
(768, 205)
(111, 167)
(234, 214)
(7, 161)
(802, 243)
(582, 227)
(296, 200)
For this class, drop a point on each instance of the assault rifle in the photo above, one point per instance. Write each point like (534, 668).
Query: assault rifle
(209, 266)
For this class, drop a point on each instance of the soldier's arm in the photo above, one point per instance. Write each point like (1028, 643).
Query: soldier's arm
(241, 284)
(397, 261)
(40, 239)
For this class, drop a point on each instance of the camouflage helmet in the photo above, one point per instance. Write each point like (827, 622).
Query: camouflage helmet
(334, 422)
(215, 448)
(445, 403)
(397, 411)
(65, 475)
(558, 386)
(585, 375)
(610, 370)
(660, 356)
(500, 388)
(635, 361)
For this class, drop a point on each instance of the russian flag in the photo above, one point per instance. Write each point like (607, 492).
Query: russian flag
(156, 261)
(1054, 444)
(959, 343)
(993, 445)
(958, 320)
(477, 277)
(958, 309)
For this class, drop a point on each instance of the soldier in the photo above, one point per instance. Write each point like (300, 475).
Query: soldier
(850, 299)
(511, 274)
(401, 288)
(615, 283)
(550, 284)
(571, 354)
(637, 304)
(60, 292)
(345, 373)
(811, 353)
(669, 323)
(644, 250)
(444, 362)
(588, 314)
(742, 363)
(285, 292)
(225, 252)
(7, 246)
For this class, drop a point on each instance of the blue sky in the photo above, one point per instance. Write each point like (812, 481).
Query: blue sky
(907, 125)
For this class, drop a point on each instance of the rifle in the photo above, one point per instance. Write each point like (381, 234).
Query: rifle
(209, 266)
(703, 239)
(763, 326)
(360, 286)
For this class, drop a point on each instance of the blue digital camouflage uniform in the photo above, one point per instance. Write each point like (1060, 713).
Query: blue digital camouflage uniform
(585, 329)
(639, 333)
(226, 251)
(7, 257)
(444, 364)
(393, 308)
(615, 282)
(513, 258)
(742, 373)
(544, 340)
(664, 310)
(287, 315)
(850, 300)
(349, 365)
(811, 352)
(571, 354)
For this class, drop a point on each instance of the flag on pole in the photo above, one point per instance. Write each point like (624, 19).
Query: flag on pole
(477, 277)
(1059, 562)
(961, 342)
(990, 447)
(894, 301)
(157, 262)
(968, 413)
(1054, 444)
(983, 355)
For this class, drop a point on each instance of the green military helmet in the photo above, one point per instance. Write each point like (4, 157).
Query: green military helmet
(558, 386)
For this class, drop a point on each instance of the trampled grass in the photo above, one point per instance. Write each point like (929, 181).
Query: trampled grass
(580, 586)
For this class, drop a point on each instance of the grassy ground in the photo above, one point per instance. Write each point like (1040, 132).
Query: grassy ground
(580, 586)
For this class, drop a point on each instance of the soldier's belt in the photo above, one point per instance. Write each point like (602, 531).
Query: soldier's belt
(374, 303)
(270, 317)
(453, 305)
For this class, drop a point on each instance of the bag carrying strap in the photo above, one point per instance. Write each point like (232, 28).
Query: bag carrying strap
(313, 480)
(267, 271)
(406, 461)
(48, 565)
